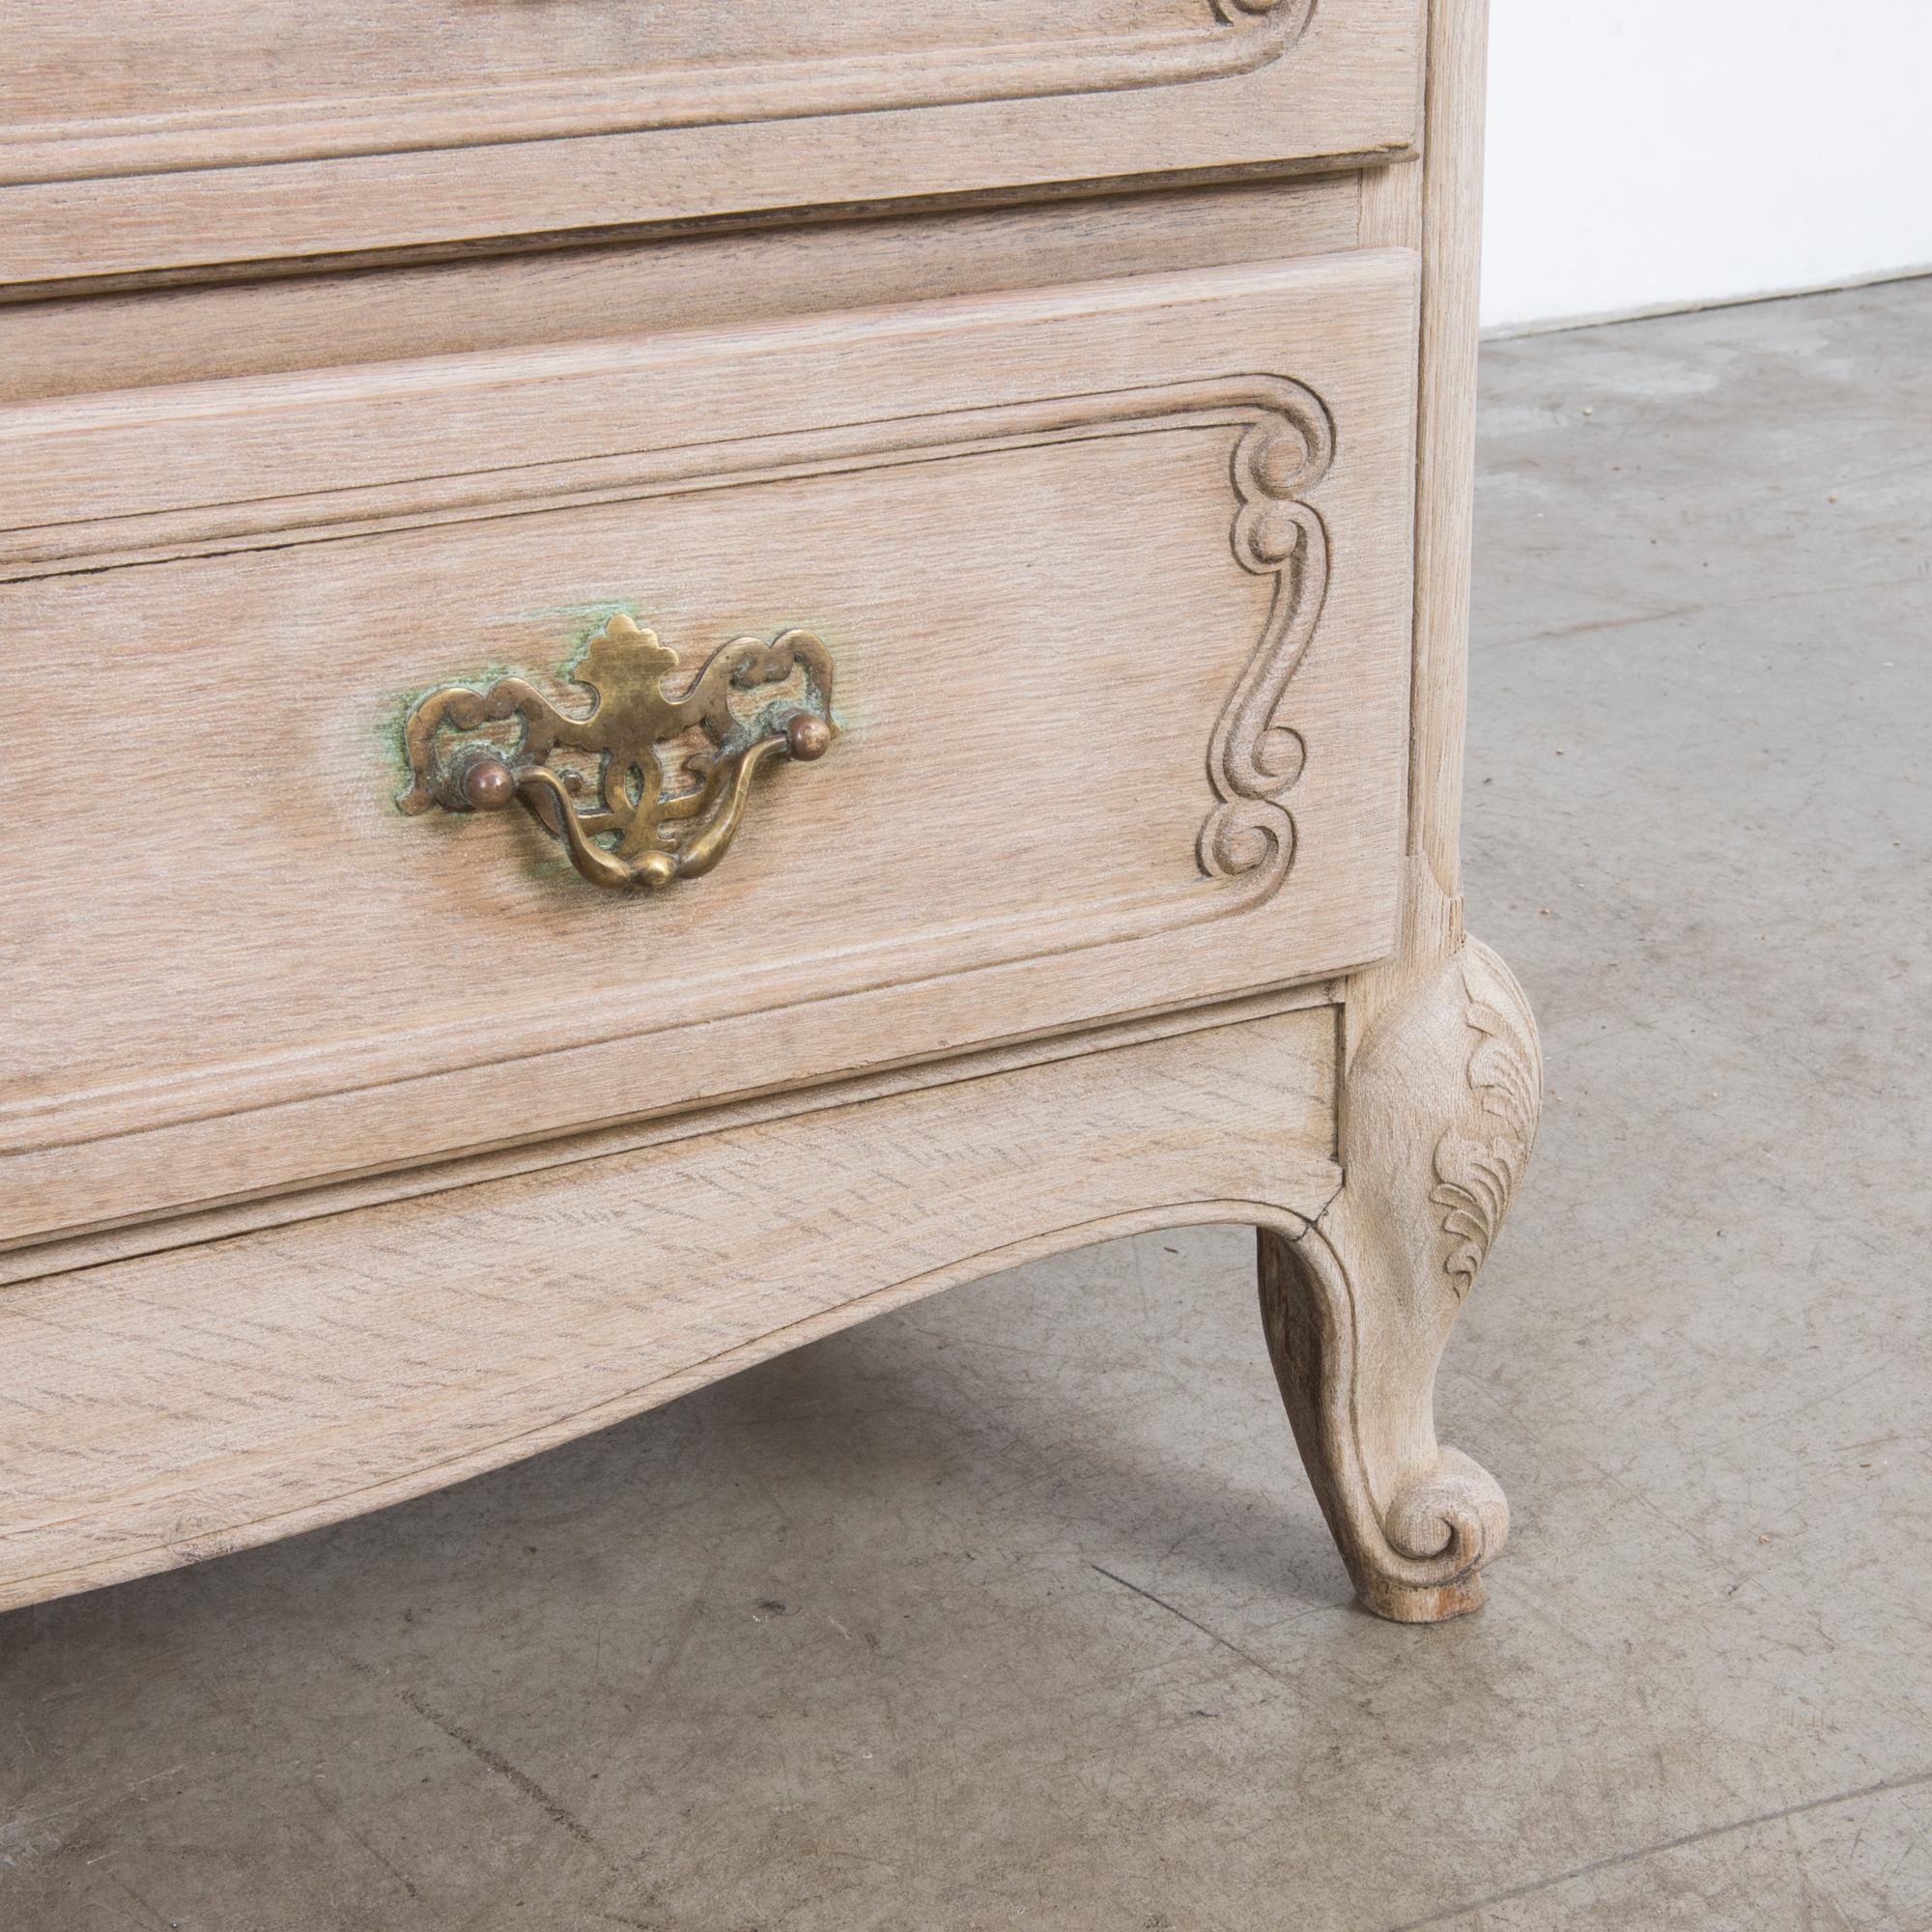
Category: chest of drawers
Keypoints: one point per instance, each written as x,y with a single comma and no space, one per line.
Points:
679,674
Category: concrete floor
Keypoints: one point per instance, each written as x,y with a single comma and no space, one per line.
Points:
1015,1609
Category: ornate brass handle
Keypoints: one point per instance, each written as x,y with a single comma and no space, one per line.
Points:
633,831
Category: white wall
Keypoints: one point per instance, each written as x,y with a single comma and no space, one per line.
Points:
1646,154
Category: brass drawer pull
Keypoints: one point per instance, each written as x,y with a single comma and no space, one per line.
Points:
635,833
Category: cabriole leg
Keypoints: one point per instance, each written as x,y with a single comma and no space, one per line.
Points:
1438,1112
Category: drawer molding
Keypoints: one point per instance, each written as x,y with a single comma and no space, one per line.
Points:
430,128
1247,839
1286,446
1232,37
1090,499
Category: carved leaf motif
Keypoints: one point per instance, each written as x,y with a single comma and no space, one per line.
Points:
1478,1173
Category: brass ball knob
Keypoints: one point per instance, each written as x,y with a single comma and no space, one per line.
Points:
489,785
808,735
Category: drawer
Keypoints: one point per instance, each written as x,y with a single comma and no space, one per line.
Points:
141,136
1114,582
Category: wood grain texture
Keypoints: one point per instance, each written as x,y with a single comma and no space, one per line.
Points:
1452,194
187,1229
169,1408
1441,1088
1087,729
72,346
1435,205
1439,1114
227,83
899,107
371,1153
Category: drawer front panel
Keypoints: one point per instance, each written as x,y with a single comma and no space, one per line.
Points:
1115,580
149,137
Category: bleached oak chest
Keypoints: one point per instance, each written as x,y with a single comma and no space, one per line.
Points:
678,672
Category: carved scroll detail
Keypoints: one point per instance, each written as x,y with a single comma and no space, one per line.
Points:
1478,1174
1253,759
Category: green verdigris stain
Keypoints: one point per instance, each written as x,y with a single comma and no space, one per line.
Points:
586,620
545,860
392,721
542,861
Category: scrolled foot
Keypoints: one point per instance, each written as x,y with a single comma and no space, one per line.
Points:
1439,1111
1459,1508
